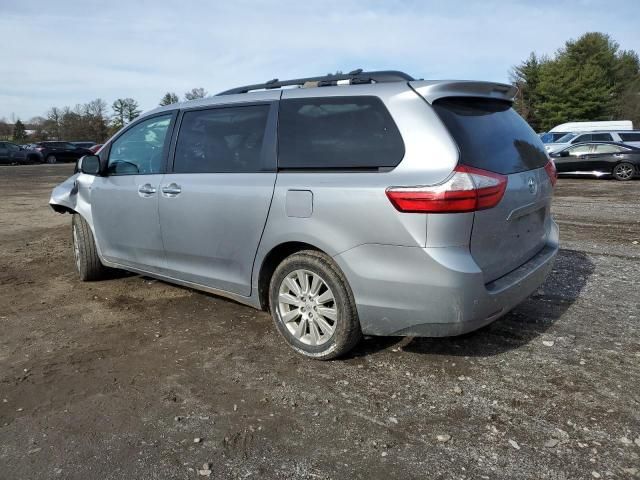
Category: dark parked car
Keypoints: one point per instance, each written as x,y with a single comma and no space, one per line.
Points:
599,158
10,153
84,144
54,152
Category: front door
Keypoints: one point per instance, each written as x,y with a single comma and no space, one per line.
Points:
215,202
124,202
4,153
574,159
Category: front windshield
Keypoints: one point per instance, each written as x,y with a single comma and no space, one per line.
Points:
566,138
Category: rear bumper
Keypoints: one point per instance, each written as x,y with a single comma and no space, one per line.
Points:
435,292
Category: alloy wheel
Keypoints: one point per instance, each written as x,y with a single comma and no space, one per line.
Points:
307,307
624,171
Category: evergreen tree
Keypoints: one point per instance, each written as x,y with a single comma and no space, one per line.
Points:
125,110
588,79
195,93
526,77
169,99
19,132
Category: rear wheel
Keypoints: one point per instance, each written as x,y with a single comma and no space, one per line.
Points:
313,307
51,159
85,254
624,171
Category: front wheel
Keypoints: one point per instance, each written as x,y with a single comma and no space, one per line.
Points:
313,307
85,254
51,159
623,171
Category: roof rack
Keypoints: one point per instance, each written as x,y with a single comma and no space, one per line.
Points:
354,77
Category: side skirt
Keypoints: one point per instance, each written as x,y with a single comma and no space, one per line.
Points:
251,301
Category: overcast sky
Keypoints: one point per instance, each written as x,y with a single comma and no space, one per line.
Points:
65,52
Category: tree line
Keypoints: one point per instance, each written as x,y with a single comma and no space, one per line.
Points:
588,79
90,121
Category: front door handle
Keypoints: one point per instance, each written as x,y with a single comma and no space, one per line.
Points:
172,190
147,189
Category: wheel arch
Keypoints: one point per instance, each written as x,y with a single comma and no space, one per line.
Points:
271,261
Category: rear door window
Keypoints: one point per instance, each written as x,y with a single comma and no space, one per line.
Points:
337,133
491,135
218,140
601,137
605,148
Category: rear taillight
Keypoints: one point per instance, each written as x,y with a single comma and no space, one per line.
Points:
550,168
467,190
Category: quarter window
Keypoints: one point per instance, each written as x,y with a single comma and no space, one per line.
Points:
630,137
221,140
337,133
582,138
139,150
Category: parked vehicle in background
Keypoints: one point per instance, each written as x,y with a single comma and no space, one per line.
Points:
10,153
366,203
599,158
628,137
86,145
96,147
596,126
551,137
53,152
559,131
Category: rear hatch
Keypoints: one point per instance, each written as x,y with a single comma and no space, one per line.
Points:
492,136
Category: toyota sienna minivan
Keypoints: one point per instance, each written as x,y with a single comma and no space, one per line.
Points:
368,203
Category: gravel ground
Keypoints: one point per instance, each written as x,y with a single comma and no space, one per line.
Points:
135,378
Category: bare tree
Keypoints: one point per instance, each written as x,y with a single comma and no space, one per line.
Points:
54,123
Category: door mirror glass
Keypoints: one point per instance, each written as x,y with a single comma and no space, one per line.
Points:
89,164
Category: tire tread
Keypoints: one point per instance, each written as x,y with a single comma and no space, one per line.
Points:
91,267
352,333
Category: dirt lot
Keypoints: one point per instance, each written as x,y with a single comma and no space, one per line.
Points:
115,379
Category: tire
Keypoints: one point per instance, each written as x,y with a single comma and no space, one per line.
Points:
51,159
85,254
623,171
320,319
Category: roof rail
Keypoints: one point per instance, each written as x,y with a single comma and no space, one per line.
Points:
352,78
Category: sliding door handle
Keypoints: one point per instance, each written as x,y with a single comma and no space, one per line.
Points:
171,190
146,189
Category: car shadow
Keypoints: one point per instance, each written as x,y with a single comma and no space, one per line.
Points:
523,324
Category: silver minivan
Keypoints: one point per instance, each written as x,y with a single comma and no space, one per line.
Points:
368,203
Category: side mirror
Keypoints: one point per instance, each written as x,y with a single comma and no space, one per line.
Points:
89,164
564,154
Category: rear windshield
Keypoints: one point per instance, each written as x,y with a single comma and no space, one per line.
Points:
491,135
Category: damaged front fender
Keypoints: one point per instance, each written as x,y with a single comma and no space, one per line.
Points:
72,196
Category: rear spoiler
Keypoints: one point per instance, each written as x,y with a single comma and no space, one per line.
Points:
432,90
